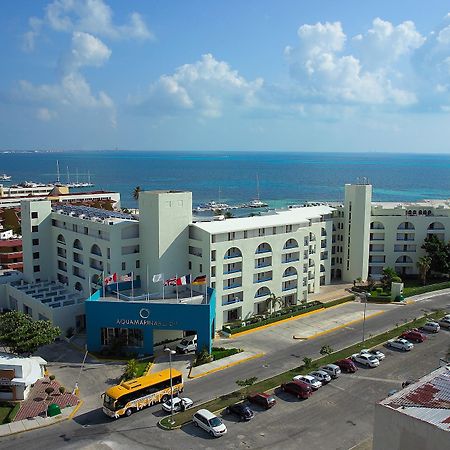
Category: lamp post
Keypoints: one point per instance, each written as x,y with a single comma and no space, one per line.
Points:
171,352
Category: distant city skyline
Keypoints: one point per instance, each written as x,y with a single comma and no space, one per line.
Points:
257,75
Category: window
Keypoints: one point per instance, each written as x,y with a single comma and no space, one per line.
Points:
288,228
34,215
36,268
190,265
35,255
54,222
34,229
86,230
138,264
75,227
35,242
245,234
231,236
213,271
124,266
261,232
213,255
201,268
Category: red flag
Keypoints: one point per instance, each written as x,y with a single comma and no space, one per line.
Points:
110,279
171,282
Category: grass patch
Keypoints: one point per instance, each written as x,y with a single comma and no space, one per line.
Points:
141,368
415,290
8,411
220,352
273,382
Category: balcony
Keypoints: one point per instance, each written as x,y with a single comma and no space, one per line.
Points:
230,271
226,302
289,288
232,286
262,265
96,265
263,250
290,260
233,255
263,279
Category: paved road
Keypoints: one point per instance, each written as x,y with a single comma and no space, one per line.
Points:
94,430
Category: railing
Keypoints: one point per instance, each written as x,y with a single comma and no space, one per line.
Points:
233,255
259,266
226,272
232,286
261,280
230,302
290,246
288,288
263,250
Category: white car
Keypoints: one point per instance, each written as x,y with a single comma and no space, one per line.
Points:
209,422
365,359
434,327
309,380
401,344
321,375
375,352
179,404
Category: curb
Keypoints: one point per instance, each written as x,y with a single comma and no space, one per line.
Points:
226,366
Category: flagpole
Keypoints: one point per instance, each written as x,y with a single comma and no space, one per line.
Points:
190,276
132,284
103,283
176,284
164,283
117,287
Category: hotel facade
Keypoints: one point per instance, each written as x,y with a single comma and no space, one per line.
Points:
289,253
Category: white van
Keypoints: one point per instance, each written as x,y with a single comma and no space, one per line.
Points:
331,369
210,422
188,344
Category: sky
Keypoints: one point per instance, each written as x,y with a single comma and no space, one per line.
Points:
225,75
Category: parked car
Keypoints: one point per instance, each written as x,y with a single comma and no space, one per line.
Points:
298,388
346,365
444,322
331,369
434,327
322,376
263,399
210,422
241,410
413,335
188,344
365,359
309,380
375,352
401,344
179,404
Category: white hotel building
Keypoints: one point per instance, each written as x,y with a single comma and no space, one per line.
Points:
289,253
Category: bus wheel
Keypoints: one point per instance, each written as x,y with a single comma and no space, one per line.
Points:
128,412
165,398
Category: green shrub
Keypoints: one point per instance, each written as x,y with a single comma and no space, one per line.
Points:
52,377
62,389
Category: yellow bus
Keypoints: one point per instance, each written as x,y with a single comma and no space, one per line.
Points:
133,395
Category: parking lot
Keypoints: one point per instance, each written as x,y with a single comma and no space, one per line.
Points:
337,416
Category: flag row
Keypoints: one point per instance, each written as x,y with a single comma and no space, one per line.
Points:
174,281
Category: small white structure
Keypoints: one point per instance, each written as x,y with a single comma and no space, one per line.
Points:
17,374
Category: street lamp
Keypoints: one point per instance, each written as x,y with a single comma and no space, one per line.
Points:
364,297
171,352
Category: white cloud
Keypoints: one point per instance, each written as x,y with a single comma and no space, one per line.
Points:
93,16
207,86
326,76
86,50
385,43
30,36
45,114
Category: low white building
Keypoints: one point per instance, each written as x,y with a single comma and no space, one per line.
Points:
17,374
417,417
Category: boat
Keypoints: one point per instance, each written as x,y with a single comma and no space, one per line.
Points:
4,177
257,203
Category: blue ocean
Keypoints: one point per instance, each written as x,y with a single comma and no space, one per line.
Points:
281,178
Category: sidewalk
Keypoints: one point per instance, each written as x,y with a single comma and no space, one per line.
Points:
224,363
37,422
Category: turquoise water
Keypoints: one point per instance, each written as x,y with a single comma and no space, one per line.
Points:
284,178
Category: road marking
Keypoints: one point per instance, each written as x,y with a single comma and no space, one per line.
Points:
385,380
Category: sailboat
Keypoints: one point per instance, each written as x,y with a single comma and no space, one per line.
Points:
257,203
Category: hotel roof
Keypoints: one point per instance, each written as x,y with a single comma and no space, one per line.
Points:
427,400
301,215
90,213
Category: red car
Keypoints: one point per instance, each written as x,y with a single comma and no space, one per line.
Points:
413,335
263,399
298,388
346,365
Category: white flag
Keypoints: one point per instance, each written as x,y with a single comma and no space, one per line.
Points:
157,277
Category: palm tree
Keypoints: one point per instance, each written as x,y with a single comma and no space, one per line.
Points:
136,192
272,301
424,264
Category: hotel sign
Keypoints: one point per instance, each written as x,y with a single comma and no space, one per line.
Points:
144,314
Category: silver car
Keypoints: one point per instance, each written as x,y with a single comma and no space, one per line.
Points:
434,327
445,322
321,375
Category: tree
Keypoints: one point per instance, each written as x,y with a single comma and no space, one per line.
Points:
273,301
130,370
23,335
307,362
326,350
136,192
389,276
228,215
246,384
439,252
424,264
